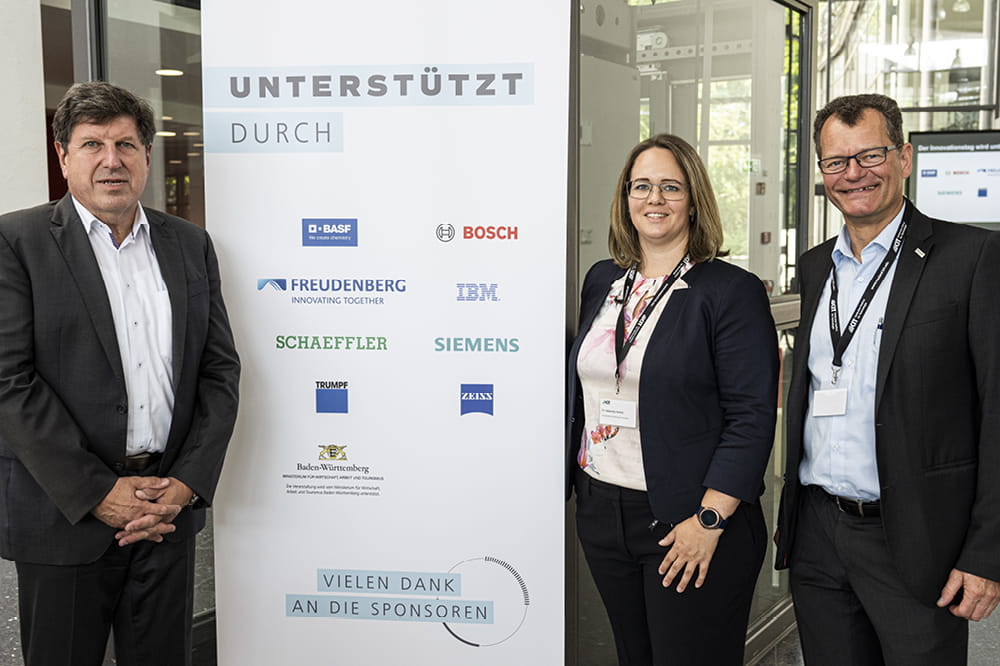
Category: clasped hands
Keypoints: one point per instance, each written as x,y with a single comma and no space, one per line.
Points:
143,507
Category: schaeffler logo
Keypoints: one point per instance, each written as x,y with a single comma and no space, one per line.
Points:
445,233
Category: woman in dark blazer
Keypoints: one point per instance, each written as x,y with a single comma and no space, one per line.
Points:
672,398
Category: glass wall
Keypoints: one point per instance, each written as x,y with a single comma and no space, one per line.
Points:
936,58
729,77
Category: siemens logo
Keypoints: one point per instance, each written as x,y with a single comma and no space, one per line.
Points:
335,232
477,344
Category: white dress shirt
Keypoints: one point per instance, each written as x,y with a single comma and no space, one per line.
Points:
140,306
840,450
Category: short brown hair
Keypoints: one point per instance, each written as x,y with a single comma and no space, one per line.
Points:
99,102
705,236
849,109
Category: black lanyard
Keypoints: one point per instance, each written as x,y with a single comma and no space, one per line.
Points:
622,346
841,341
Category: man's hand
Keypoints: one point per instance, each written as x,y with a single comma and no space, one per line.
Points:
979,595
137,518
169,493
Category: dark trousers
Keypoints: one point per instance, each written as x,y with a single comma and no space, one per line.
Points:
144,591
654,625
851,606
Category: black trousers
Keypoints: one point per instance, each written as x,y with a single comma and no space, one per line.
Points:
144,590
851,606
654,625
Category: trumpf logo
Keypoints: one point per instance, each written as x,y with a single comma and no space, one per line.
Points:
331,397
329,232
472,291
477,398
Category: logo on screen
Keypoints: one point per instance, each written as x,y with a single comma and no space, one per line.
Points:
489,233
928,173
329,232
331,397
477,398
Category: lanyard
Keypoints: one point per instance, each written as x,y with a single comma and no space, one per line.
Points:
841,341
623,345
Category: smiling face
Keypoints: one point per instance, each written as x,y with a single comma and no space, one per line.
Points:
867,197
659,223
106,166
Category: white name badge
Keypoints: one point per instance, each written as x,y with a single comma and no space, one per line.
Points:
618,412
830,402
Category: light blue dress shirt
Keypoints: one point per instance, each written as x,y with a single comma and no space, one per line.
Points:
839,451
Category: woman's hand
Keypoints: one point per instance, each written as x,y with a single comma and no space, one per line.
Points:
691,547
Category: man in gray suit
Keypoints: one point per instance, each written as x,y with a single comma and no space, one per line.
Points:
118,395
890,516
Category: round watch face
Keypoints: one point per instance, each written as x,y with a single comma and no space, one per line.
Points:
708,517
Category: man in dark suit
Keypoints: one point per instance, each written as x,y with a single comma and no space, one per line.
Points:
889,520
118,395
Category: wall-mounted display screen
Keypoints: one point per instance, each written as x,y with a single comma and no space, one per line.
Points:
956,175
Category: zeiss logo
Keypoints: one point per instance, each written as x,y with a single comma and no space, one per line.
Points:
278,284
477,398
471,291
331,397
928,173
334,232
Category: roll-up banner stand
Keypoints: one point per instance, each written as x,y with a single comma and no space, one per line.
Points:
386,189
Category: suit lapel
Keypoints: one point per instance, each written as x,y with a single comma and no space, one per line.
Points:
171,262
912,259
69,234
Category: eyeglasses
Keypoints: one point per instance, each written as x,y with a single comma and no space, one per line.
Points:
866,159
641,189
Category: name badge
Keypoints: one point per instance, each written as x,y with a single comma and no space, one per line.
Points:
618,412
829,402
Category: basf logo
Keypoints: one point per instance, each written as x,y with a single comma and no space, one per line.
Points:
329,232
928,173
476,398
476,291
331,397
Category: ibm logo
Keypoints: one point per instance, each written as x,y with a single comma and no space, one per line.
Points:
476,291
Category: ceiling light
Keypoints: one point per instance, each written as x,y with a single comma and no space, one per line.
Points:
169,72
166,133
961,6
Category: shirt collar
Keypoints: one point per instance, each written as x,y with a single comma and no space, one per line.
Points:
89,219
842,248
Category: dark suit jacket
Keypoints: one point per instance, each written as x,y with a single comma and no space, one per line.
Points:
63,406
937,404
707,387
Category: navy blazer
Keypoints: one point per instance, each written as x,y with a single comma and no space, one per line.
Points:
707,387
63,404
937,404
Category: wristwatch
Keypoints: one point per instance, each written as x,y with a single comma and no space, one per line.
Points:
194,500
711,519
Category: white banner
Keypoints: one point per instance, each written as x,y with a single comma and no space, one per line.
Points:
386,187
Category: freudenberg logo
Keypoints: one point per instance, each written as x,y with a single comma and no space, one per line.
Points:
329,232
476,398
278,284
477,291
331,397
335,291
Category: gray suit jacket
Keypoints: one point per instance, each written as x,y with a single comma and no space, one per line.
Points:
937,404
63,405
